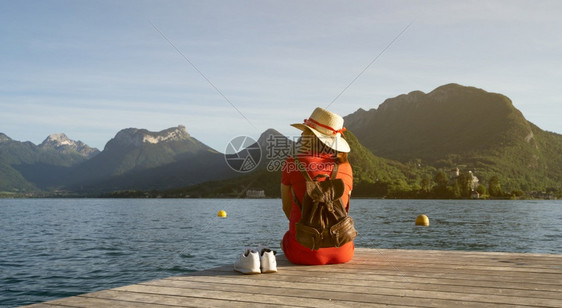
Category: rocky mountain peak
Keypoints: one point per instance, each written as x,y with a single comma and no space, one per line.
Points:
170,134
4,138
134,137
273,143
358,119
57,140
60,142
269,135
409,100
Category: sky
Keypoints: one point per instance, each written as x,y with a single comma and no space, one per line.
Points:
236,68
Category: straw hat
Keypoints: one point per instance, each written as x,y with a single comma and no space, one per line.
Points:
328,127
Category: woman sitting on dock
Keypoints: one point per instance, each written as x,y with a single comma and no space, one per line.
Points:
322,148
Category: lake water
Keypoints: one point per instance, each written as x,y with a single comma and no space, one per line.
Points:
52,248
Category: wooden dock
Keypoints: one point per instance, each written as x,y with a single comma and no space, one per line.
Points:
375,277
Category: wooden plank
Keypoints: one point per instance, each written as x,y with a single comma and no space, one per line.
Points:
390,278
294,296
482,254
47,305
93,302
433,269
333,285
282,281
522,261
181,300
375,277
402,274
248,295
454,257
466,272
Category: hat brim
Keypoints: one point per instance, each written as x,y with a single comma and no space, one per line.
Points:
333,142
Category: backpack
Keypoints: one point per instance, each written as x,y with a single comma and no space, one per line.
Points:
324,221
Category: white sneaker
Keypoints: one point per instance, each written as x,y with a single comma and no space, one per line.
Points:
248,262
268,261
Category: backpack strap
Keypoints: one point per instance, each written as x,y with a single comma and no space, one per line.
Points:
307,176
296,199
309,179
334,171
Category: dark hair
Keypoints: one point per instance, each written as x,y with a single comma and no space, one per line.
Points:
341,157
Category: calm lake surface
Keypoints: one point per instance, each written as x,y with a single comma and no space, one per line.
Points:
52,248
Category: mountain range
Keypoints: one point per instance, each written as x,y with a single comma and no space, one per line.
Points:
406,139
24,165
456,126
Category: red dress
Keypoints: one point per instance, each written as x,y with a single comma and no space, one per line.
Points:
294,251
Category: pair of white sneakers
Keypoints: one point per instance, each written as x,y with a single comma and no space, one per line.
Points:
256,261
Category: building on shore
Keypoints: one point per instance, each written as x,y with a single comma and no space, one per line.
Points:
255,193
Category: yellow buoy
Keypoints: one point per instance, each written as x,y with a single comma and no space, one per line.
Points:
221,213
422,220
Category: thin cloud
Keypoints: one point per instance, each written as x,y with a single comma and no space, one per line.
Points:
103,64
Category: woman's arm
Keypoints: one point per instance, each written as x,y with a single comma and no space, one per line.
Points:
286,199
